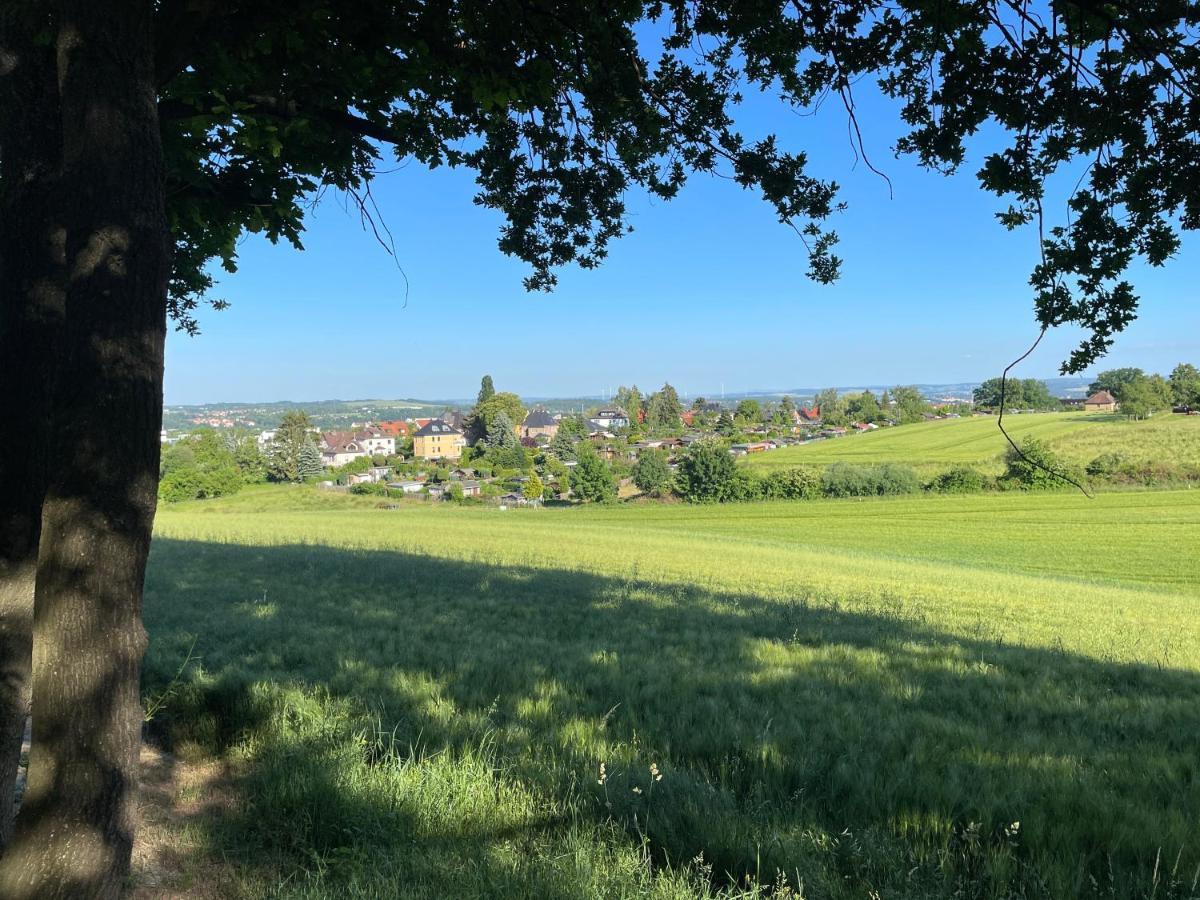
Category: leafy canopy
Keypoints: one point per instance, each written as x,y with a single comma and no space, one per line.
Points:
561,108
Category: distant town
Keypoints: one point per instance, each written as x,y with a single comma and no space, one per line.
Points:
502,447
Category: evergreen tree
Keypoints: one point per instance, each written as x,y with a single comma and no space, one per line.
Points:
663,409
290,438
562,445
501,435
309,462
486,390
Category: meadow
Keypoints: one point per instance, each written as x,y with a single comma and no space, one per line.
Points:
986,696
930,446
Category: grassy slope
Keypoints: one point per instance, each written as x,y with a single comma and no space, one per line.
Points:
1079,437
835,690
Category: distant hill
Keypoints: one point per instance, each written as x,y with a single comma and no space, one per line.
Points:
342,413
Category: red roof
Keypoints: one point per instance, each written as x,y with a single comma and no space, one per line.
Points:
397,428
1101,397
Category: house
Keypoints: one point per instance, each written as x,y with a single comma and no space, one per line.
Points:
438,440
807,415
471,488
341,447
1101,401
461,474
376,441
743,449
539,423
612,417
397,429
455,419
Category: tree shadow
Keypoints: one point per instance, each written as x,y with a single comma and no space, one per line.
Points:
857,743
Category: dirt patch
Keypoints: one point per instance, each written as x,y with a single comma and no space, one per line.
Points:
178,802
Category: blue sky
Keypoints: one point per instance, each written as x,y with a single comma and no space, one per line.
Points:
709,290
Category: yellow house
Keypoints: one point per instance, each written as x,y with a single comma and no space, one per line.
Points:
438,440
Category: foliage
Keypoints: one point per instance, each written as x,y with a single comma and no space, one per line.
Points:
749,410
832,407
1037,467
844,480
487,390
909,405
1115,380
791,484
591,478
663,409
291,437
200,466
1029,393
533,489
959,480
630,400
1185,385
863,407
705,473
501,435
513,457
651,473
1144,395
309,463
479,419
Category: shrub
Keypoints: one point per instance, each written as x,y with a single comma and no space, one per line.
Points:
959,480
651,473
845,480
745,486
705,473
591,479
792,484
1107,464
1037,468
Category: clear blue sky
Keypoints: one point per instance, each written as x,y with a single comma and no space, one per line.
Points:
708,290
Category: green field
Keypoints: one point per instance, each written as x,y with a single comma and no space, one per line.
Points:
841,697
1079,437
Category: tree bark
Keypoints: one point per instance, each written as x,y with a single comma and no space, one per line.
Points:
74,834
32,302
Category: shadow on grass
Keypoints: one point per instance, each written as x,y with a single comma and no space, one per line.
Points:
435,719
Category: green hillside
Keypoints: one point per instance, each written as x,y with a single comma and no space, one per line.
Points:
976,440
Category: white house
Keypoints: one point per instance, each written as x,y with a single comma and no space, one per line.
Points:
341,447
612,417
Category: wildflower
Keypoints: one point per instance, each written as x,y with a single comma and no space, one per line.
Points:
603,775
654,773
637,790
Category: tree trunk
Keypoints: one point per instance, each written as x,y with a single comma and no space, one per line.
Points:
32,298
74,834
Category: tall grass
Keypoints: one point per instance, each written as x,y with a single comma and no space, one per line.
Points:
968,697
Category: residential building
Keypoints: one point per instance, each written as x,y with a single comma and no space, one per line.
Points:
341,447
397,428
1101,401
539,423
612,417
438,440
